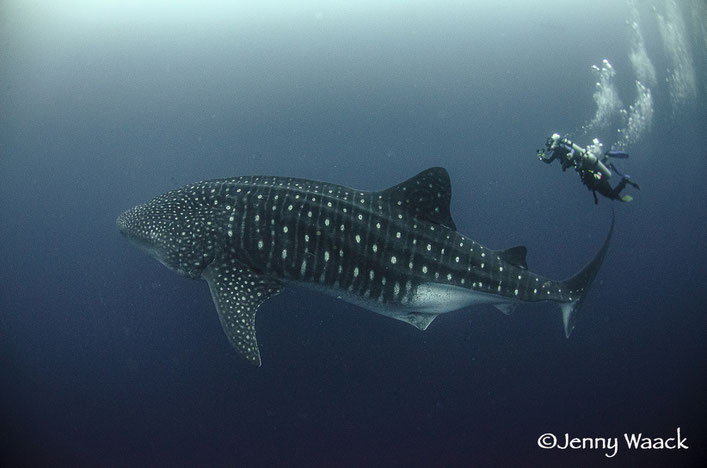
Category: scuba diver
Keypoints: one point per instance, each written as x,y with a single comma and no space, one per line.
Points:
593,172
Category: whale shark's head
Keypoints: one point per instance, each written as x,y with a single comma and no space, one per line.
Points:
171,231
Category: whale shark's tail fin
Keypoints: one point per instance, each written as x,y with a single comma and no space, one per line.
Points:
579,284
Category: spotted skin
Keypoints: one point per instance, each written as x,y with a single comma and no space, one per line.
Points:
236,289
395,252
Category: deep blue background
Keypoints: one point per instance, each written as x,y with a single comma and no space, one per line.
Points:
108,358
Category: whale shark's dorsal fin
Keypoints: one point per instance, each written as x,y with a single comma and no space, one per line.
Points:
427,196
515,256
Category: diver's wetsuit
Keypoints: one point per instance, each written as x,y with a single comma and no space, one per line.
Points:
601,185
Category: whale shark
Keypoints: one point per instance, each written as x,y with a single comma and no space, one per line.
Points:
395,252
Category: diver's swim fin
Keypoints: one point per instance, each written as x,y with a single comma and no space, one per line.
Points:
617,154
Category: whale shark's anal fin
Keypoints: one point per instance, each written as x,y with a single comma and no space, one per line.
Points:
417,319
238,292
506,307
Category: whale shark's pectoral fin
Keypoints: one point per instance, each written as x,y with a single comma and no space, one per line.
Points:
417,319
238,292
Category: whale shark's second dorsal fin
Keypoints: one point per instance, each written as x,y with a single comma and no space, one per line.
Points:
515,256
426,196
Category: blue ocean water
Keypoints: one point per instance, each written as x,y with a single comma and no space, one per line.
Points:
107,358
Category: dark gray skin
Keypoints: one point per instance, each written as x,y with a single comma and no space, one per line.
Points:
395,252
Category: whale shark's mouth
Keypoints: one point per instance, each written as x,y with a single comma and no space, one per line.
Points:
121,222
128,224
128,220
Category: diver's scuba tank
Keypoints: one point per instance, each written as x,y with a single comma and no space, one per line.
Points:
583,159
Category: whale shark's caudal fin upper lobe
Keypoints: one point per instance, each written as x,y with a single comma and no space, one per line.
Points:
580,283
